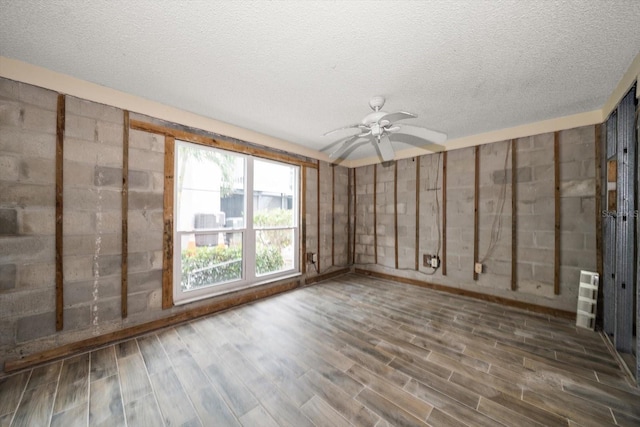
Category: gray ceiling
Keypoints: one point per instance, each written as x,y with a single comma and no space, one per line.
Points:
294,70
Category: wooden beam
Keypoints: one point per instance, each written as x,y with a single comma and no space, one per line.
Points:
355,213
167,246
514,216
476,205
327,276
232,300
318,216
395,209
349,188
556,183
224,145
477,295
444,213
333,215
375,213
60,127
125,215
303,220
417,258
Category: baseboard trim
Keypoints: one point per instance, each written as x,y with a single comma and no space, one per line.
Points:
133,331
326,276
485,297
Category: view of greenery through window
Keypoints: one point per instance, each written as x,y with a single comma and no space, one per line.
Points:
212,197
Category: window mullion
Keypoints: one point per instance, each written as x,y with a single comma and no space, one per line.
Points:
250,235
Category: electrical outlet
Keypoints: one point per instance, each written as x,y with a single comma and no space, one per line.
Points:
426,260
478,267
311,258
314,258
435,261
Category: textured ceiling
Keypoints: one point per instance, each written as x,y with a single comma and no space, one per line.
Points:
295,70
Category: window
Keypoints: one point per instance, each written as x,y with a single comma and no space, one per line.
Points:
236,221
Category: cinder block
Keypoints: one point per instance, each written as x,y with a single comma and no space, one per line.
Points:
109,133
29,143
88,199
76,318
79,128
8,222
78,222
110,244
36,275
106,309
91,153
107,265
148,280
32,195
145,200
7,277
84,292
158,181
146,141
38,221
9,168
93,110
23,249
40,120
138,261
78,268
140,242
108,221
37,170
36,326
34,95
11,113
578,188
7,333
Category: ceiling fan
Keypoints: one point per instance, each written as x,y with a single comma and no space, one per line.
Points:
379,128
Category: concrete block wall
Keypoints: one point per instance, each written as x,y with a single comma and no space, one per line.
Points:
27,214
385,214
431,224
92,218
341,216
535,218
364,226
406,208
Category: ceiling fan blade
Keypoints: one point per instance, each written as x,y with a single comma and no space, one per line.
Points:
385,149
416,142
352,148
357,126
424,133
342,149
394,117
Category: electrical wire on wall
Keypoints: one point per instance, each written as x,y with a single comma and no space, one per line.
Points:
496,226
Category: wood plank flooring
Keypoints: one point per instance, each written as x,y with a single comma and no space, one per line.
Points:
350,351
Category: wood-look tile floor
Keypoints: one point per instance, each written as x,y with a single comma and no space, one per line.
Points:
350,351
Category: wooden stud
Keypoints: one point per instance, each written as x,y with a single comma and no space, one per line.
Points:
395,209
375,213
444,213
417,258
556,183
612,170
303,220
514,217
333,216
224,145
60,127
318,216
125,214
349,189
476,205
167,246
355,213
